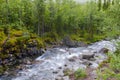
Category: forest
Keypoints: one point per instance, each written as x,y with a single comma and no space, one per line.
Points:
25,24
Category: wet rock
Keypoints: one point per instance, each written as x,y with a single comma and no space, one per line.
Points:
104,50
92,59
86,62
65,65
59,67
42,50
6,73
67,41
57,78
94,65
66,78
72,59
88,56
26,61
55,72
33,51
80,57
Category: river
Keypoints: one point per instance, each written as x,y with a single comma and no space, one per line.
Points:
51,65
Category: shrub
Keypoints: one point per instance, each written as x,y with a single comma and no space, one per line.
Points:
80,74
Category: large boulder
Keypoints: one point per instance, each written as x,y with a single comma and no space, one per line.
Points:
104,50
67,41
88,56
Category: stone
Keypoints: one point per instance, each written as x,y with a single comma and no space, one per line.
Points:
94,65
104,50
55,72
43,50
88,56
59,67
66,78
86,62
72,59
67,41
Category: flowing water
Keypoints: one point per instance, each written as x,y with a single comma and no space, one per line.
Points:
51,65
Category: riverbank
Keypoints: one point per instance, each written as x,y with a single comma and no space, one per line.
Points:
61,60
21,47
16,46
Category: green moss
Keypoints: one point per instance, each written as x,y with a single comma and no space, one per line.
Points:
33,36
4,55
22,40
1,70
16,33
76,37
40,43
11,42
2,38
98,38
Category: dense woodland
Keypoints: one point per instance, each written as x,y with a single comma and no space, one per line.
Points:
61,17
48,21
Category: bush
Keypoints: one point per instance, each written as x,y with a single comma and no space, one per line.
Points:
16,33
80,74
112,71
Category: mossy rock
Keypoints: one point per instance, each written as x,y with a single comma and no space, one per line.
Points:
33,36
16,33
11,42
22,40
38,42
2,36
1,70
32,42
3,55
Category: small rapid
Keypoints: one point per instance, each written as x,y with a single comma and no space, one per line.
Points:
52,64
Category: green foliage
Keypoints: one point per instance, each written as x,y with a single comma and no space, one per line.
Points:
2,35
1,69
112,71
67,72
80,74
115,62
89,20
11,42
